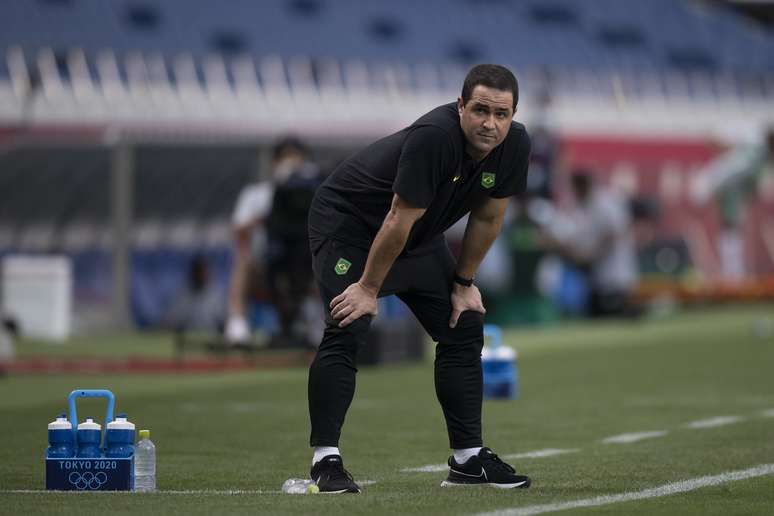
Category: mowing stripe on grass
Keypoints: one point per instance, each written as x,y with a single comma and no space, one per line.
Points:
539,454
682,486
536,454
227,492
768,412
633,437
714,422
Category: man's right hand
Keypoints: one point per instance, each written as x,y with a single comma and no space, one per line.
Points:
464,299
355,302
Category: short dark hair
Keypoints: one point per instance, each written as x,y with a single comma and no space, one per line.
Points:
491,76
581,180
286,145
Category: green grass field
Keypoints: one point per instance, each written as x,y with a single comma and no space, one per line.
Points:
580,383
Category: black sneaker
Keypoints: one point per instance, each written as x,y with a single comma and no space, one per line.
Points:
331,477
486,468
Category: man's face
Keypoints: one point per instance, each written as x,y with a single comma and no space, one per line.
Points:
485,119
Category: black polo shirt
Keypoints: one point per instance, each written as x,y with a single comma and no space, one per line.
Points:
427,166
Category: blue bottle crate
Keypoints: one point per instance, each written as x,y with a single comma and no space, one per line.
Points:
90,474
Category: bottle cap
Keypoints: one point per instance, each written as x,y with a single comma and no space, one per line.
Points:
144,434
61,423
120,423
89,424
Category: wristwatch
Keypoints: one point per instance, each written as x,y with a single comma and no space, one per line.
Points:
465,282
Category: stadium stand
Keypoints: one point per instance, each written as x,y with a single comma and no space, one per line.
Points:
192,55
599,33
196,89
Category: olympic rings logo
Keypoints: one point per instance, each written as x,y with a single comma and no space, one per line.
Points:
87,480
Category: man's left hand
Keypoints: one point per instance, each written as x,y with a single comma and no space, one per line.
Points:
464,299
355,302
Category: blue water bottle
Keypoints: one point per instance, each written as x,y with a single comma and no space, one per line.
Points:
499,366
60,439
89,437
119,437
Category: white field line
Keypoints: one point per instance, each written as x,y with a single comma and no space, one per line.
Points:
714,422
768,412
539,454
682,486
633,437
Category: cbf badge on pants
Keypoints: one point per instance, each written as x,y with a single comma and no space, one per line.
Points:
342,266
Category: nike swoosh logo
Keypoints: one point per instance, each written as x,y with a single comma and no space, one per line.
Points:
480,475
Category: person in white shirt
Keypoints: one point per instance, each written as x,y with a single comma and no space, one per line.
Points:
732,180
597,237
271,248
250,212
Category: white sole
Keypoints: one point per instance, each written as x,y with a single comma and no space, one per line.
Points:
446,483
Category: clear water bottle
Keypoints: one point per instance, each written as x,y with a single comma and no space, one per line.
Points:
145,464
299,486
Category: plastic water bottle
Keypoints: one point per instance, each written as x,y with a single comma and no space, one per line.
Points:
60,439
300,486
89,438
119,438
499,366
145,463
501,373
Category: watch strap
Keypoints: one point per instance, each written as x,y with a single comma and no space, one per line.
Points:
465,282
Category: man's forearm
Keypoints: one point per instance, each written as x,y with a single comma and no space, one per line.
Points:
388,244
479,236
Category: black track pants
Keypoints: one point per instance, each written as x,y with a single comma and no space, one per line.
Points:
424,283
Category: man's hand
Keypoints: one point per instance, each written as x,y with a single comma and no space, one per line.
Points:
464,299
355,302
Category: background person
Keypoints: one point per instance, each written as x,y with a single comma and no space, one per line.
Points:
271,245
732,180
597,237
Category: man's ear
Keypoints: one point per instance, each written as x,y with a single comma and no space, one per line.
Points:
460,105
